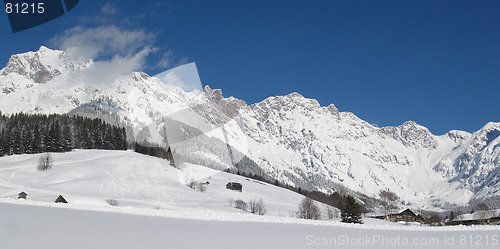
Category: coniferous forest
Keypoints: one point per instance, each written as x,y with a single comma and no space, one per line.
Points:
35,133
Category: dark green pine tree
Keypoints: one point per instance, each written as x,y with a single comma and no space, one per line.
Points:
351,213
123,139
66,140
85,142
2,143
115,136
23,133
55,139
108,140
28,140
36,143
16,146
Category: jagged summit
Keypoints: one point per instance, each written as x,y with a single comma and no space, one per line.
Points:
42,65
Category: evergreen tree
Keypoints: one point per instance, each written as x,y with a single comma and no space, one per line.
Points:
36,143
28,141
15,137
2,143
23,133
53,138
66,140
351,213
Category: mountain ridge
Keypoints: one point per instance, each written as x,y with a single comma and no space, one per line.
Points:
290,138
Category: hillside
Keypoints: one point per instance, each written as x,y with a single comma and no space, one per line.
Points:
91,177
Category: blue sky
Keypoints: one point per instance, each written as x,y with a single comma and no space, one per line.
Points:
434,62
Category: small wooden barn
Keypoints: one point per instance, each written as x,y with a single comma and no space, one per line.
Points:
489,221
61,199
234,186
22,195
406,215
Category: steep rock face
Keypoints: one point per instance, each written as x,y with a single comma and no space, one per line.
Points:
476,165
229,106
297,140
41,66
290,138
411,135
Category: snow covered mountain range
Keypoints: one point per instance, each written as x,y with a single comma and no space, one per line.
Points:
289,138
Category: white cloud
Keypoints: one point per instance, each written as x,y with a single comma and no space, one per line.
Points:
115,51
101,41
109,8
105,72
167,59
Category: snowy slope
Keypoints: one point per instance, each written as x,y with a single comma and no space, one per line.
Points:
289,138
90,177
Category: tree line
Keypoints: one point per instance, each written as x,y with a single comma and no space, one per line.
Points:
36,133
155,150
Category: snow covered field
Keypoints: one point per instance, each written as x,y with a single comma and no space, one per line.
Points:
31,226
157,210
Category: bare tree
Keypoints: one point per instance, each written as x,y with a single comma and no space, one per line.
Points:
199,186
240,204
308,210
435,219
202,187
192,184
45,162
389,199
331,212
257,207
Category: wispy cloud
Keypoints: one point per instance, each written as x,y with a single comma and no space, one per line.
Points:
169,60
115,51
103,41
109,8
166,60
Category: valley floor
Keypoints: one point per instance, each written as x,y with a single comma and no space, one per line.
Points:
58,226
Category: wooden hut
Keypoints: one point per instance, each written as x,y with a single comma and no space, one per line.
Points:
406,215
22,195
234,186
61,199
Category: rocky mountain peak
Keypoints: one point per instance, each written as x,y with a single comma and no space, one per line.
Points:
213,94
229,106
412,135
41,66
333,110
